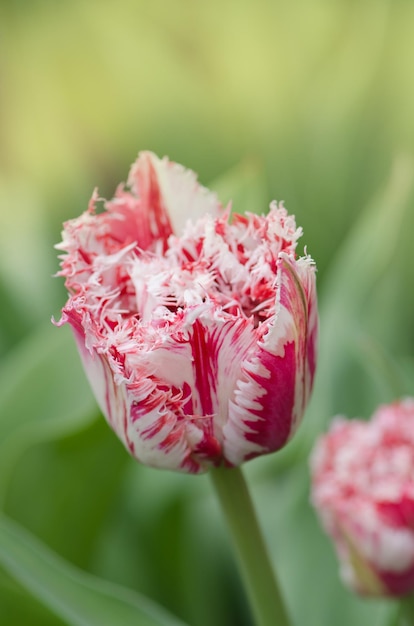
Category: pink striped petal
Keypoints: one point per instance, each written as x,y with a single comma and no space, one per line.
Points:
276,381
163,196
200,361
170,194
400,513
144,413
110,396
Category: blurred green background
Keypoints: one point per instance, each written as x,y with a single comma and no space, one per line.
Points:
310,102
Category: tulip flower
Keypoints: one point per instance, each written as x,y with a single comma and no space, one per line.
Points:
363,490
196,327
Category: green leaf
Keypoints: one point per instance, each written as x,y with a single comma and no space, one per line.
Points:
342,384
78,598
244,186
166,539
65,490
43,394
305,559
27,261
13,321
18,607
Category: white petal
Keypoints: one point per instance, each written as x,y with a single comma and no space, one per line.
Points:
182,196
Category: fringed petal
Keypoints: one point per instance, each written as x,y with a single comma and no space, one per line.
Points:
273,390
170,194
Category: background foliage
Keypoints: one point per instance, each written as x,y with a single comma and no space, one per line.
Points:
310,102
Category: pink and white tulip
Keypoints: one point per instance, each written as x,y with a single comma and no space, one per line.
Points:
196,328
363,490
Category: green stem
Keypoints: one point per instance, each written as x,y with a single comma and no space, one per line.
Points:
406,612
257,572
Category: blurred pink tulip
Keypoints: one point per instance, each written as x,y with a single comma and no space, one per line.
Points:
197,329
363,490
